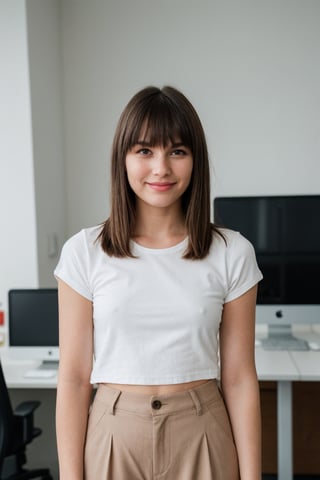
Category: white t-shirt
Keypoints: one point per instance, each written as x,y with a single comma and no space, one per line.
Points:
156,317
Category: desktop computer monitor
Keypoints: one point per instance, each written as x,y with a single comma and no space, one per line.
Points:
33,324
285,232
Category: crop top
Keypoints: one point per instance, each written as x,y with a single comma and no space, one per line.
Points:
156,317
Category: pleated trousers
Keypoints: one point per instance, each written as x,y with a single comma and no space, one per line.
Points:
183,436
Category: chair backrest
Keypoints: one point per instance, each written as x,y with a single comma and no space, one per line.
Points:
6,416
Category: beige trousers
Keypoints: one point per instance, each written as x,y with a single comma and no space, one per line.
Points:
184,436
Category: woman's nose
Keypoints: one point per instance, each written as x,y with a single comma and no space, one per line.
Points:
161,165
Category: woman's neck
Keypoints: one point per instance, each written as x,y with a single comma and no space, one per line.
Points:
157,228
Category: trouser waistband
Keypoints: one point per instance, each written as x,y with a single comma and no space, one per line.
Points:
152,405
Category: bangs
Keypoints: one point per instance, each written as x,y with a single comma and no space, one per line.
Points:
158,123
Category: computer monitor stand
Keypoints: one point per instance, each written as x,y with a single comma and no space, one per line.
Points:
280,331
280,337
49,365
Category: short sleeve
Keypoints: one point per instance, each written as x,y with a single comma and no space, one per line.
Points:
242,268
73,265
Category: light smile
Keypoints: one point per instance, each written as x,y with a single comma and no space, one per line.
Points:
161,186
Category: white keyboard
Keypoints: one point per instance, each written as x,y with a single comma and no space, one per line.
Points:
282,343
40,373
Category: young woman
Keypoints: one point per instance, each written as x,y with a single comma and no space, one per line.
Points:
155,306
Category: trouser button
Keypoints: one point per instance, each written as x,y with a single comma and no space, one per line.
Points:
156,404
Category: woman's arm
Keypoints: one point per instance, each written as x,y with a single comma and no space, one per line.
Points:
239,381
74,389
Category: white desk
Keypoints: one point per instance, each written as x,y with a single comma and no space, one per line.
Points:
308,365
275,366
284,367
14,371
280,366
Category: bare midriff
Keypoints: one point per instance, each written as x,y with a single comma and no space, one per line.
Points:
157,389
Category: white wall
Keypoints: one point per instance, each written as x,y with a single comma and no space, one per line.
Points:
18,242
31,144
31,147
44,47
251,69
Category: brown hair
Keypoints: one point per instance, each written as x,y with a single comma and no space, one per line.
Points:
163,116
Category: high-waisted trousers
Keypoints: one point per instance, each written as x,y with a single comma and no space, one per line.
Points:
183,436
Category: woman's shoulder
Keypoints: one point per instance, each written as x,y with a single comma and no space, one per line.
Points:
226,235
86,238
230,240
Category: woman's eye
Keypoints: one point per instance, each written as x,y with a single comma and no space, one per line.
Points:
178,152
144,151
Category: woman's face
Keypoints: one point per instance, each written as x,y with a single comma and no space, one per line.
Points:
159,175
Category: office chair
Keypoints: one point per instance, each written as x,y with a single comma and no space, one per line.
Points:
16,431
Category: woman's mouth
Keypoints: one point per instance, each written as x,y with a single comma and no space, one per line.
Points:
161,186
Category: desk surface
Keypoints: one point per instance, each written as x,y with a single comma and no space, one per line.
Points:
14,372
275,365
308,365
271,366
289,365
